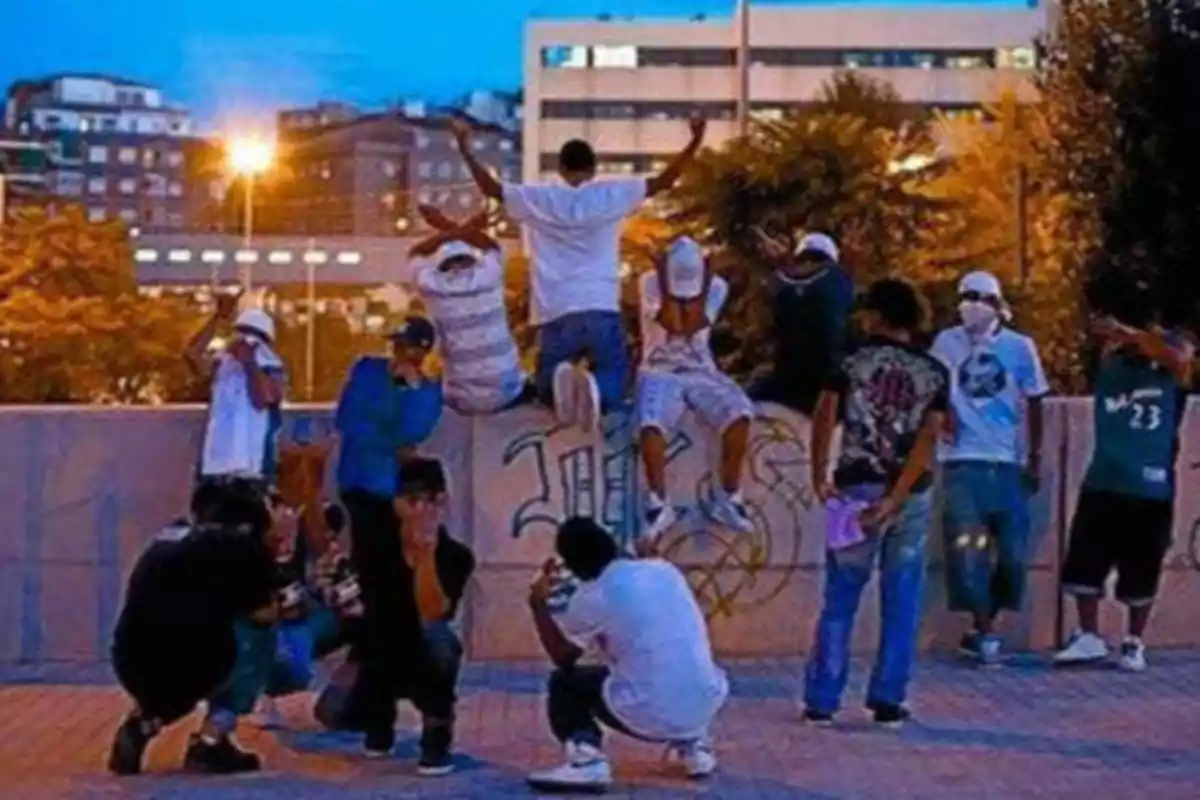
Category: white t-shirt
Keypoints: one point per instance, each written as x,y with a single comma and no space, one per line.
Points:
664,352
991,378
643,618
574,237
237,435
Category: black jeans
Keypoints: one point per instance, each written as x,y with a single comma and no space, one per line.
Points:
396,657
576,705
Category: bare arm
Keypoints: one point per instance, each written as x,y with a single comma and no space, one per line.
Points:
1153,344
824,422
919,458
482,176
196,350
560,650
674,170
432,602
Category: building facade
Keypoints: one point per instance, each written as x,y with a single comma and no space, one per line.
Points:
627,85
115,146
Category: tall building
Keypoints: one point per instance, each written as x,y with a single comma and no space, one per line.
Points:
627,84
365,176
24,165
115,146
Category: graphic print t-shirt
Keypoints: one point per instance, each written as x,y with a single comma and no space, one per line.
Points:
886,389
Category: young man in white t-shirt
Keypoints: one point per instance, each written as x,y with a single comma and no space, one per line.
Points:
991,460
680,302
574,229
460,276
659,682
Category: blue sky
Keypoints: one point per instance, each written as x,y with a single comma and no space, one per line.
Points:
232,59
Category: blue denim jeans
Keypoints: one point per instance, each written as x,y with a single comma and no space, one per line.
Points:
297,651
598,336
986,526
900,552
255,659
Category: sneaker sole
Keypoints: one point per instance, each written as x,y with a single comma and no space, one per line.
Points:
566,406
587,401
892,726
435,772
1079,662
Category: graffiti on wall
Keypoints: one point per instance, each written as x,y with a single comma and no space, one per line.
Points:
729,570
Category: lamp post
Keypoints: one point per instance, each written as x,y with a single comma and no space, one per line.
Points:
743,66
249,158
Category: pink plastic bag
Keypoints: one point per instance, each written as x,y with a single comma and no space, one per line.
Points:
842,528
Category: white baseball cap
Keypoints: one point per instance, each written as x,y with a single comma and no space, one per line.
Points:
819,243
257,320
455,249
685,268
988,285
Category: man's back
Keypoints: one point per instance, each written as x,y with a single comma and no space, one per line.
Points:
574,235
643,617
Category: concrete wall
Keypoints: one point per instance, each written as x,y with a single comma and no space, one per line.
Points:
82,490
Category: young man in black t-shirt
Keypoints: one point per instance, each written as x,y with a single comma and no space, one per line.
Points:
408,648
892,397
174,643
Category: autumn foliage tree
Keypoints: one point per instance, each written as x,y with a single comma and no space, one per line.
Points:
73,327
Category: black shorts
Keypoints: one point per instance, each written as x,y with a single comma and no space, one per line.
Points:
1115,531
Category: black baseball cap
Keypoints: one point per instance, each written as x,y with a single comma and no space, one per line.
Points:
421,476
414,330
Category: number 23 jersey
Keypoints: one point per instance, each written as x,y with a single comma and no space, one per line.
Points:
1138,411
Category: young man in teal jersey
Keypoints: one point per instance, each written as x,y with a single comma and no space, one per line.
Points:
1124,515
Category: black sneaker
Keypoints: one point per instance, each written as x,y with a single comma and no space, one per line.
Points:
379,744
128,747
222,757
891,716
436,758
818,719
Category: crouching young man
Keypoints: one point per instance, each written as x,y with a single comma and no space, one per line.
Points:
175,643
680,302
659,682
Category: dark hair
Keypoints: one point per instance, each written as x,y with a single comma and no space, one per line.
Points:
1116,293
421,475
236,504
585,547
577,156
897,302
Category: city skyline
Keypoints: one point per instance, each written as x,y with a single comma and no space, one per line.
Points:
235,64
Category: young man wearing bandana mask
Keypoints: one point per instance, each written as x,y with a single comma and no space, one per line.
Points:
1125,512
680,302
991,460
813,298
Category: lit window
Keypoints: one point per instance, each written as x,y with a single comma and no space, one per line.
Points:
97,214
129,215
316,257
212,257
506,145
565,57
422,141
389,169
966,62
175,158
97,154
128,186
144,256
246,257
349,257
175,189
425,169
97,185
127,155
280,257
618,57
179,256
1016,58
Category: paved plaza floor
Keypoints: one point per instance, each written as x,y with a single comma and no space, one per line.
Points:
1019,731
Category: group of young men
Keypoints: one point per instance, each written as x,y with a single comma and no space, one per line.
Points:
234,569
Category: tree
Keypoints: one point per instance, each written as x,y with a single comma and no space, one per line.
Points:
73,327
1119,84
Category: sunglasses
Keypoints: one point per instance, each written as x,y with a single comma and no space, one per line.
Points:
980,297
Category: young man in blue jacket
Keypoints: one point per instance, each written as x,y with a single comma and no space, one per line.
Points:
387,408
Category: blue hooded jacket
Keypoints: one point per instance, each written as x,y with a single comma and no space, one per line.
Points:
376,416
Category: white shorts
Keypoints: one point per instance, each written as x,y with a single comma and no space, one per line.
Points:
714,397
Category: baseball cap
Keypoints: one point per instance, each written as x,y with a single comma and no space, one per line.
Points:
454,249
258,321
421,476
685,268
984,283
415,331
818,243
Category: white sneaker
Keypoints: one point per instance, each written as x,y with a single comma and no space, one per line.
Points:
587,769
1133,655
566,404
657,519
697,758
1084,648
587,400
730,510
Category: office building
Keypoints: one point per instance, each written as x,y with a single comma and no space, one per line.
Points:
115,146
24,165
627,85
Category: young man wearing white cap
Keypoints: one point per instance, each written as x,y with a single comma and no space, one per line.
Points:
680,302
813,297
247,386
991,460
461,279
575,228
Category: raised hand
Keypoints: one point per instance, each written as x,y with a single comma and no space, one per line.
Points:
461,132
227,305
698,125
434,217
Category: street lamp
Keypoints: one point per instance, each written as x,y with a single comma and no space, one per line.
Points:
249,158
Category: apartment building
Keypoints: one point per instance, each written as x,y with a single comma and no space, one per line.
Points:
115,146
627,84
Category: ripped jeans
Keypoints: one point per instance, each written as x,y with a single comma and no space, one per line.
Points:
900,552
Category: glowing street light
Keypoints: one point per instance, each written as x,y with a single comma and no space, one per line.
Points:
248,158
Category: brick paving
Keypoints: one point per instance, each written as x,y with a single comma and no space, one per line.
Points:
1021,731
